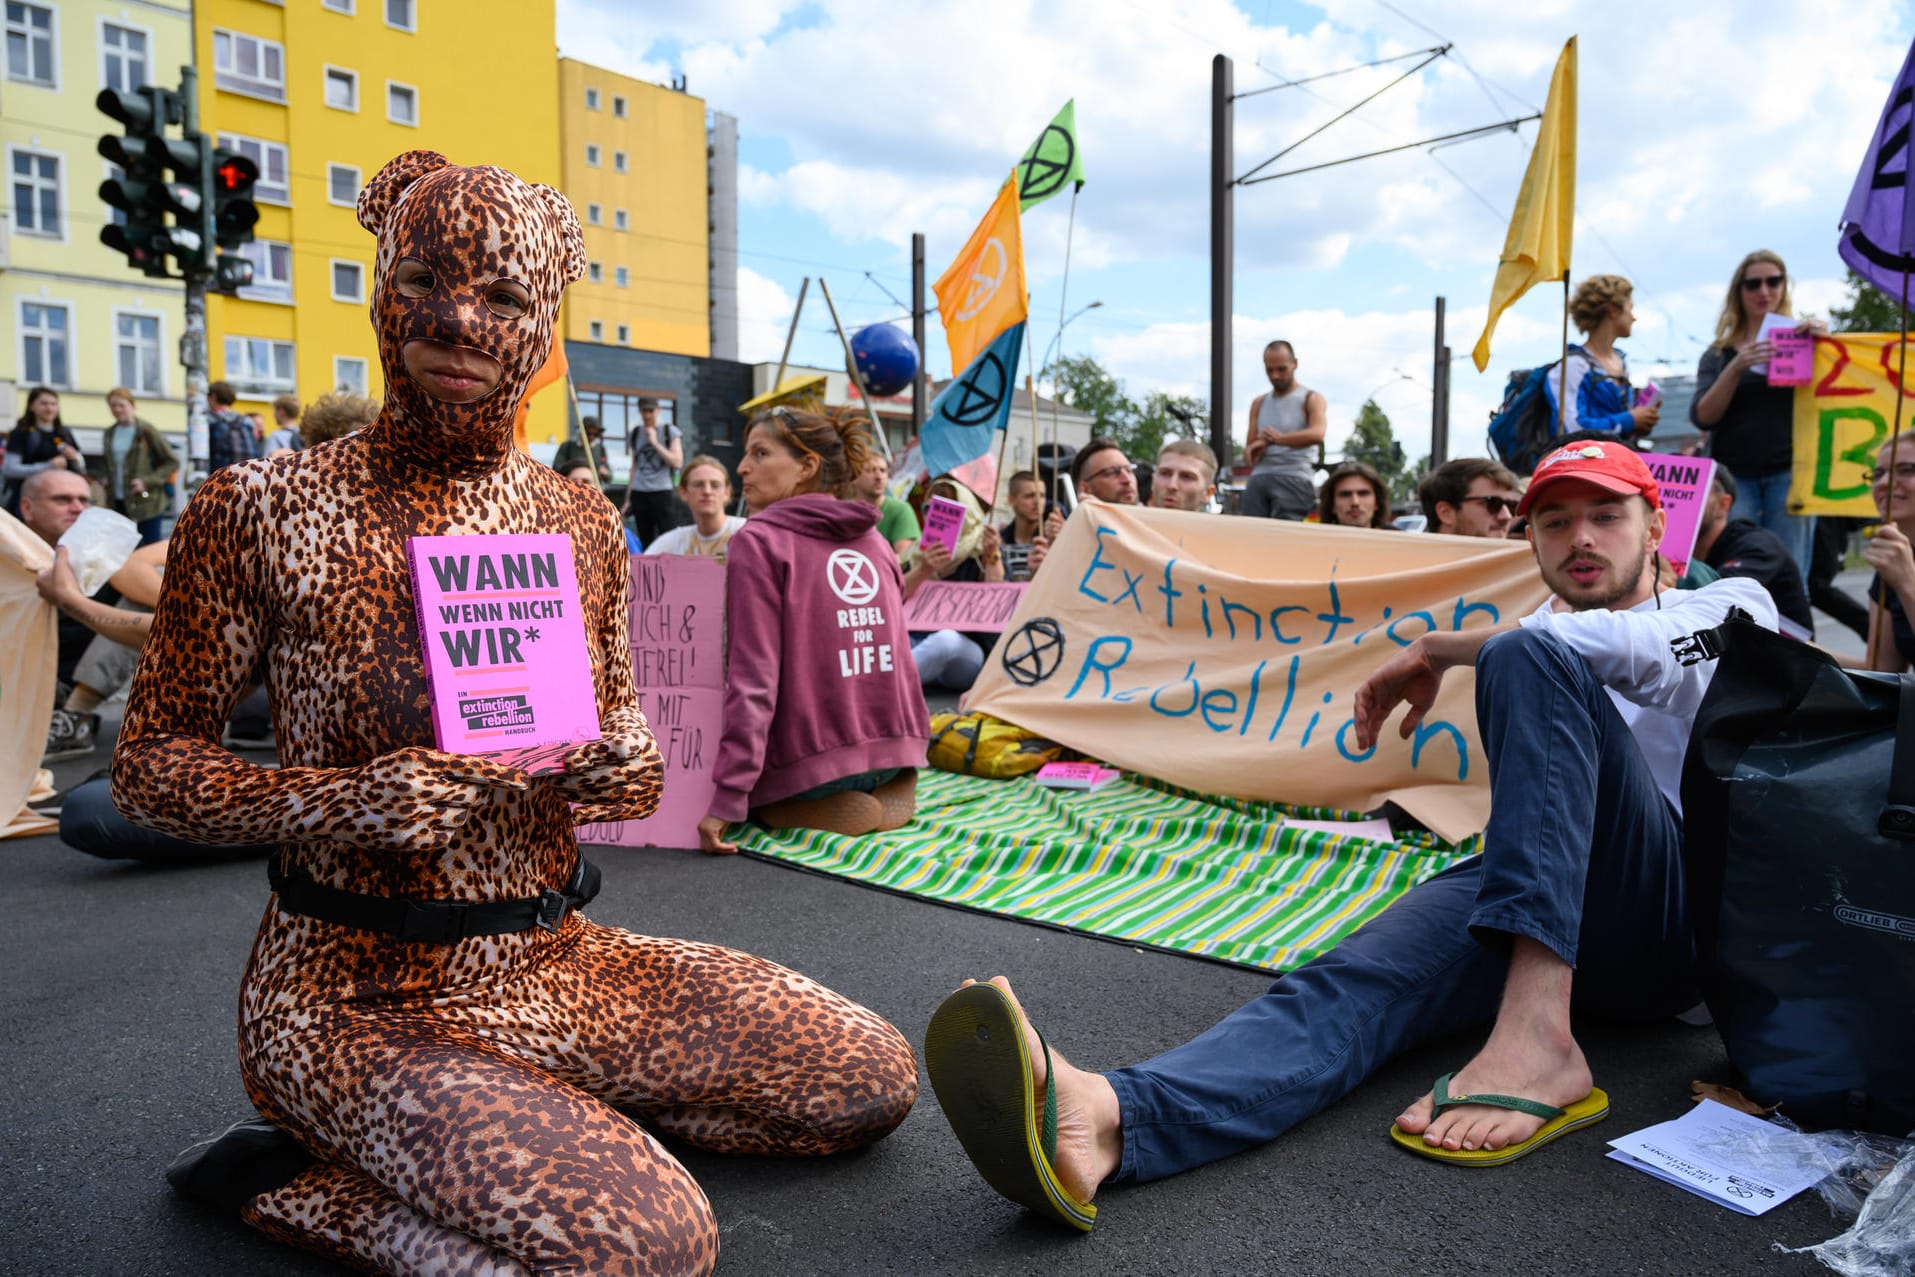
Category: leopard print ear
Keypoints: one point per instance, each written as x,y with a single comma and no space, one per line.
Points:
383,191
571,240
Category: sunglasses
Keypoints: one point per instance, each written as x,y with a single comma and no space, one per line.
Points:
1108,472
1754,282
1496,505
1904,471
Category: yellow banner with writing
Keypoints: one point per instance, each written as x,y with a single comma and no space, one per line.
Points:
1844,416
1224,655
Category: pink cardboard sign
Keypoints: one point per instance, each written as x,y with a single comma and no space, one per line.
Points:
1793,363
981,607
943,523
504,646
1685,483
678,662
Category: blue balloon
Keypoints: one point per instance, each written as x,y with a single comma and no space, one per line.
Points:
887,358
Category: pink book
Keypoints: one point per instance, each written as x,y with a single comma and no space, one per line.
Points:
1076,775
504,647
1793,363
943,523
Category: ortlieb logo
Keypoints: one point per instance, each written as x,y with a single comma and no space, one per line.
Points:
1894,924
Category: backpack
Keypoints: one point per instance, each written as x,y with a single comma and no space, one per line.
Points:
980,745
1521,428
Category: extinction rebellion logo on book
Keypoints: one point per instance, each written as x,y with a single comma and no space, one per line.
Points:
495,713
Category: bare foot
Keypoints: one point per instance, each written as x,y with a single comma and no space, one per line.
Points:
1090,1133
1545,1066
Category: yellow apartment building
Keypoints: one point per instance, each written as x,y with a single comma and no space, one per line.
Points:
321,93
73,314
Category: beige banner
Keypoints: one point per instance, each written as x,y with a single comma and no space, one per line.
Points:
27,669
1224,654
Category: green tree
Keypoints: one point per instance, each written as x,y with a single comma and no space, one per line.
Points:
1083,383
1374,443
1867,309
1156,422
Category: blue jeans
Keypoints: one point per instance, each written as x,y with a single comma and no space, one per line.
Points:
1582,853
1765,500
946,659
90,822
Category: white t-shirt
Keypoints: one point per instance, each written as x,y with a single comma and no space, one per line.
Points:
686,540
1654,674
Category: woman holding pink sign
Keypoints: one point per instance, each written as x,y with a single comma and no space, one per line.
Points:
959,544
1751,422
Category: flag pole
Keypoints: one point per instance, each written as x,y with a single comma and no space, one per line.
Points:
1063,291
791,333
1562,365
1030,395
1880,610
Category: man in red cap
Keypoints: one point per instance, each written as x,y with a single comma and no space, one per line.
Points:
1584,710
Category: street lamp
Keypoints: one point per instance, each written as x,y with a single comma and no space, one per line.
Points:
1045,362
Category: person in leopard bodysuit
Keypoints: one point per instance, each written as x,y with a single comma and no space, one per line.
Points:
463,1100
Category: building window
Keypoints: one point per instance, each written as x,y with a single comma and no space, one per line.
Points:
249,65
337,6
617,413
618,106
342,185
137,347
618,161
591,98
597,330
349,374
619,220
259,367
273,186
622,277
36,193
122,57
348,281
402,104
342,89
591,154
624,335
43,344
30,43
594,215
594,273
272,271
399,13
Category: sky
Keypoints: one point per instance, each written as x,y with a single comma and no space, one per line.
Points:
1706,130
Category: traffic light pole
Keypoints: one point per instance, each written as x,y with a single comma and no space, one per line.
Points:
193,337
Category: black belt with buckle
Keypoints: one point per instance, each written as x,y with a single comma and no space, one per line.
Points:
430,921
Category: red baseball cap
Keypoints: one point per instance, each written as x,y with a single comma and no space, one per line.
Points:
1613,467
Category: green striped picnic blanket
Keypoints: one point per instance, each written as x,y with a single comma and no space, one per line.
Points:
1137,861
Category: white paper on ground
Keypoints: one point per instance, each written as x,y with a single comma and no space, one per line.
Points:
1735,1160
1374,830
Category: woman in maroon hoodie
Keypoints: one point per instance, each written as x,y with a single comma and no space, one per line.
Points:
825,724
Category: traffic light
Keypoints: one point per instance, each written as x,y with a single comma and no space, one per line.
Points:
183,196
144,113
234,213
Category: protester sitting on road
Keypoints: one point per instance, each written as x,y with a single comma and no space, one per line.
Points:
467,1059
136,460
1579,888
1286,432
1594,377
1470,497
1891,594
38,442
825,724
950,659
1751,424
897,521
1737,547
1100,469
1034,526
1354,496
336,415
1186,476
704,485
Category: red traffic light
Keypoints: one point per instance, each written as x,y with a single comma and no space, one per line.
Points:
236,173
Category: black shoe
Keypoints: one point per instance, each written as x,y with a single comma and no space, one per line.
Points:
70,735
251,1157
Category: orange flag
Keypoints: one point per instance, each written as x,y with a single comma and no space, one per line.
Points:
553,369
983,292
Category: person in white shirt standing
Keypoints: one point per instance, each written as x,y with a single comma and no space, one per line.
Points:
1584,709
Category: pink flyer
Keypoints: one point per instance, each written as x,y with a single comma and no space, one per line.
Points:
1685,484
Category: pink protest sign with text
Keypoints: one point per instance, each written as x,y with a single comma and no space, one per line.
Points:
1685,484
979,607
943,523
504,646
678,662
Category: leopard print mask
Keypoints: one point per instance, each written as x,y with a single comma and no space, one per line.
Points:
471,227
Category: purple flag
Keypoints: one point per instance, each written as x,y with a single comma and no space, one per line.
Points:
1878,225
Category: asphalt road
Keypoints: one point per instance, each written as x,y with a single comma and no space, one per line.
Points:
118,1023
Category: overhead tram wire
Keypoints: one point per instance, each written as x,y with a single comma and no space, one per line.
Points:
1311,79
1247,178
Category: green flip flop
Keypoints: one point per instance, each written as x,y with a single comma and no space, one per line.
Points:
974,1050
1593,1107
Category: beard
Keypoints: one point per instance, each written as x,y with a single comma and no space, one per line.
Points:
1606,590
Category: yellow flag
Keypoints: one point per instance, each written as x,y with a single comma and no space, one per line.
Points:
1537,250
982,293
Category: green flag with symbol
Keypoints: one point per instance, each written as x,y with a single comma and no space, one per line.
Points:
1053,161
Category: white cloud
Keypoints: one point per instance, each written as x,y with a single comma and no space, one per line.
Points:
764,316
